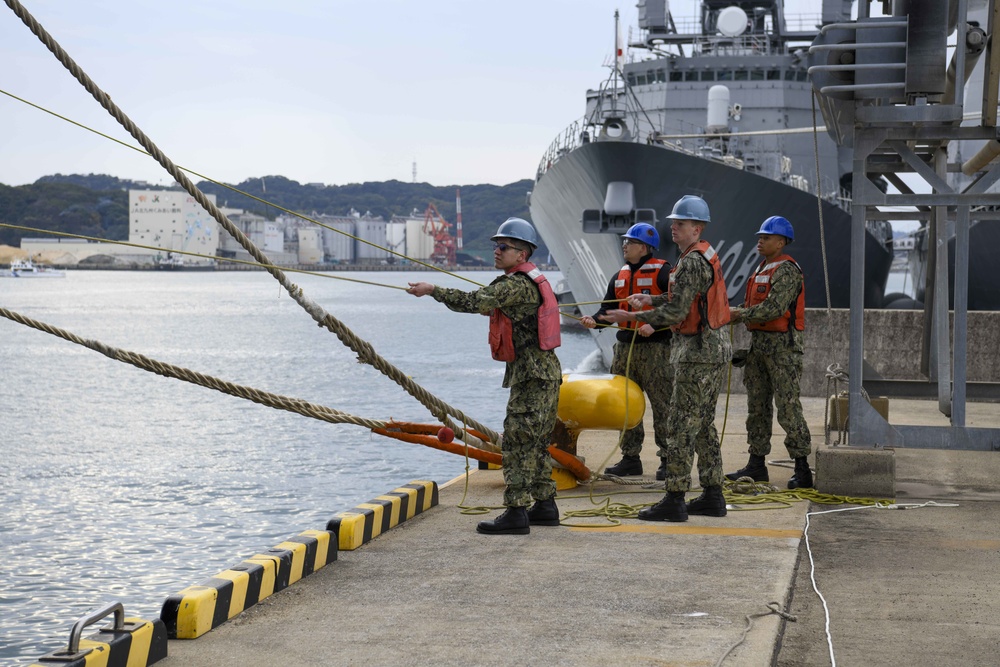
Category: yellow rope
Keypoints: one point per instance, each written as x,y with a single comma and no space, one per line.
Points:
745,495
613,512
587,303
729,390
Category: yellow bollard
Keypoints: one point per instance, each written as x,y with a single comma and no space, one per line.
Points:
600,402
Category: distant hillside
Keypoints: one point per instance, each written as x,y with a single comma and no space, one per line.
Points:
97,205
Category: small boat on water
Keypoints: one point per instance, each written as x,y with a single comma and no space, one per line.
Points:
171,262
25,268
174,262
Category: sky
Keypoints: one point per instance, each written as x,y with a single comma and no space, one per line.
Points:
325,91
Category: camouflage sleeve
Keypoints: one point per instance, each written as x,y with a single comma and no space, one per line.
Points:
504,292
693,276
609,303
785,286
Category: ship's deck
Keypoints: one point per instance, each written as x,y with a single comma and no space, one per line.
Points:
903,588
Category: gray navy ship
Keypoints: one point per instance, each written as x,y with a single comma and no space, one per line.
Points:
718,106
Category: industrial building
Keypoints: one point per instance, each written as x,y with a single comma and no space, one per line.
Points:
174,231
163,220
361,238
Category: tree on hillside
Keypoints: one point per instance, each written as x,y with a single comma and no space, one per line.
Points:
97,205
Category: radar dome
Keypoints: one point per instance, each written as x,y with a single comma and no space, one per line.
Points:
732,21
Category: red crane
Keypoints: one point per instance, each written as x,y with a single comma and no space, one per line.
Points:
444,242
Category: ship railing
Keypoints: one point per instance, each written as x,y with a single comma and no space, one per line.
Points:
802,22
758,45
587,129
568,140
838,195
794,22
746,155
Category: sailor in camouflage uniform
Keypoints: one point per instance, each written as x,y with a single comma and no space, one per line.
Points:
524,330
641,350
774,310
696,307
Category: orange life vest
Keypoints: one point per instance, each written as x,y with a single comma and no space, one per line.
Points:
759,286
643,281
502,328
712,307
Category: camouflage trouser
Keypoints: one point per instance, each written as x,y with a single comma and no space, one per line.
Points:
649,368
765,381
691,426
531,416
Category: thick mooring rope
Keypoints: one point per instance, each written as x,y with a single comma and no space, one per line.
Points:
268,399
366,353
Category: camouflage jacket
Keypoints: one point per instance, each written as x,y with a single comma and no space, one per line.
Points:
518,297
692,276
782,346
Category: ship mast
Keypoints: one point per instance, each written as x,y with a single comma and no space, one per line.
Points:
617,64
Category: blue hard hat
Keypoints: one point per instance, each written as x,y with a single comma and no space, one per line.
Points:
516,228
645,232
691,207
778,225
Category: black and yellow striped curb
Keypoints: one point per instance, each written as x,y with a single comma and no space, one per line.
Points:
141,643
197,609
369,520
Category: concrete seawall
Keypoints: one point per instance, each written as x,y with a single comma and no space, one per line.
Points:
892,346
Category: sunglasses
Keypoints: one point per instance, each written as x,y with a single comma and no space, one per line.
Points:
504,247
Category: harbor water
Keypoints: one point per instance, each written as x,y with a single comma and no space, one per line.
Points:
118,484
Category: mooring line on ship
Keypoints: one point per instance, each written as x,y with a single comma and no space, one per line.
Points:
366,353
245,194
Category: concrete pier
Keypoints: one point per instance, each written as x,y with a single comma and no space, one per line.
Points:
902,587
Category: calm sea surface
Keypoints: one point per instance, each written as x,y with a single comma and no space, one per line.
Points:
118,484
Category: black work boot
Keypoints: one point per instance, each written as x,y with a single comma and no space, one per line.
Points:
671,508
802,478
661,472
544,513
629,465
755,469
709,503
514,521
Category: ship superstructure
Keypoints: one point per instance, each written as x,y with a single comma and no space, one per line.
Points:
719,105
